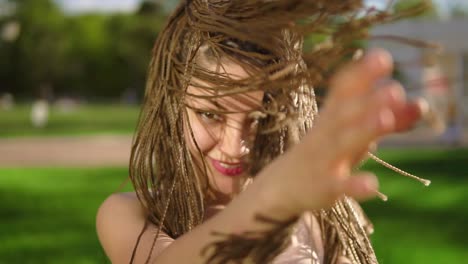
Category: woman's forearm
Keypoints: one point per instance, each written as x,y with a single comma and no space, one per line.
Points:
238,217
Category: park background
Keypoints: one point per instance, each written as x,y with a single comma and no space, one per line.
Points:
82,66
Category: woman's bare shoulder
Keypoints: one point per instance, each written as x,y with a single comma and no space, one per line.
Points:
120,209
119,220
122,202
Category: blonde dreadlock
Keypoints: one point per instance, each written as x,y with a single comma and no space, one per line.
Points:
265,37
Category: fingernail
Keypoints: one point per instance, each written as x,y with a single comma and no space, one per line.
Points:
372,184
397,93
378,58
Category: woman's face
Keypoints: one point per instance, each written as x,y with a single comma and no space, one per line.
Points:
223,138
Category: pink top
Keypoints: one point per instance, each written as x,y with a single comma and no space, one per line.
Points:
306,245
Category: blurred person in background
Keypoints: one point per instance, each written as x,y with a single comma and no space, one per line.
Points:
41,107
40,113
439,93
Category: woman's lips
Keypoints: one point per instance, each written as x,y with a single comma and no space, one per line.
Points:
228,169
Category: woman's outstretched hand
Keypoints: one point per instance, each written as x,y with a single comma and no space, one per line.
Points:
362,106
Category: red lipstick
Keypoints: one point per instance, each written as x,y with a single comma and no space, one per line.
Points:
228,169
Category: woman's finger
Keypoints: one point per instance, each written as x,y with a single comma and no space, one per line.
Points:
358,78
358,137
361,186
408,114
362,121
362,156
353,112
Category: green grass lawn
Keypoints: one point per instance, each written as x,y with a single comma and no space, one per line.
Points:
86,119
422,224
47,215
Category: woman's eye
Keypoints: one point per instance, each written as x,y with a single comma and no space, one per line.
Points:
209,116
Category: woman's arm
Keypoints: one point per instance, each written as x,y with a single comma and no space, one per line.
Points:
121,218
311,176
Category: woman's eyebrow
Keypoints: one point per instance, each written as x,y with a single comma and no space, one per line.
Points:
214,103
207,103
218,105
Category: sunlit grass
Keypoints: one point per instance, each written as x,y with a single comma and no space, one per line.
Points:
422,224
85,119
48,215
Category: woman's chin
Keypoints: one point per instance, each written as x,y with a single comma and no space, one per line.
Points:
227,186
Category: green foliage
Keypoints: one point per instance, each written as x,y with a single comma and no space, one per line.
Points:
39,52
429,12
92,55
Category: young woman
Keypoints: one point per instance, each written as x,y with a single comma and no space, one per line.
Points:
230,161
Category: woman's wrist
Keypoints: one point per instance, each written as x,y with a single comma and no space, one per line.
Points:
270,197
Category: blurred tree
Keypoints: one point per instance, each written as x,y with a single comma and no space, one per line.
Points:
40,49
429,12
6,46
117,50
93,55
166,5
132,39
459,11
87,70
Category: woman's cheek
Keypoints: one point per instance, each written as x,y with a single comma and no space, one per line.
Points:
204,137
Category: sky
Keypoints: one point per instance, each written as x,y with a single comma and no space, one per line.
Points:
77,6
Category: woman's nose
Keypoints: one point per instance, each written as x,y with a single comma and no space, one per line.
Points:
232,142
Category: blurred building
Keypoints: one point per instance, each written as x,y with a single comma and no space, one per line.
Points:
429,72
